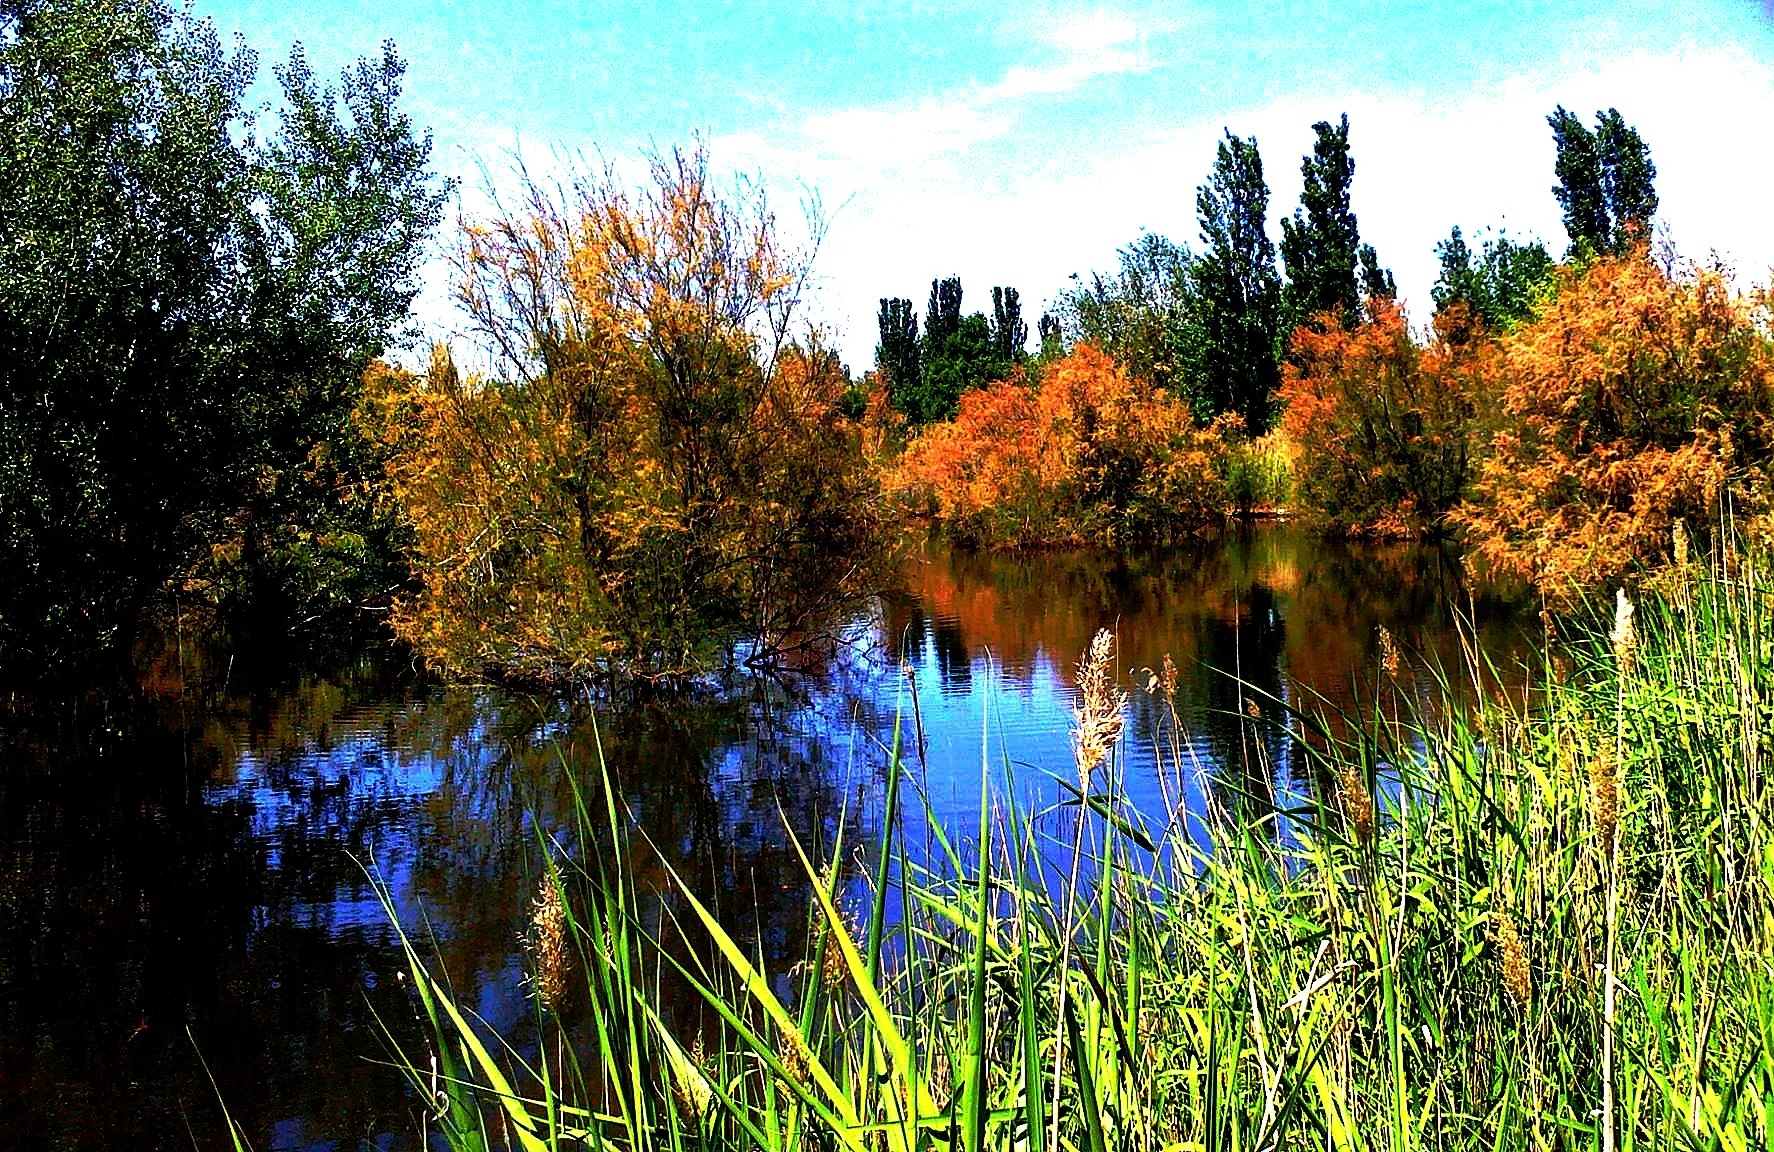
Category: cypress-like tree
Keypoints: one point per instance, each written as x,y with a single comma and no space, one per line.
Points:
1376,282
1238,290
942,317
1606,181
1320,245
897,354
1628,179
1579,188
1009,334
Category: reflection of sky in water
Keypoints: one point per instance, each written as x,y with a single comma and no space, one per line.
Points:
440,791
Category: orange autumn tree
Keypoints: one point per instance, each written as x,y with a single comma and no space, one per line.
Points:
1084,453
1635,399
655,477
1382,422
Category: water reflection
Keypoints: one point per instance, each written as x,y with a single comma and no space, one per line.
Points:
192,857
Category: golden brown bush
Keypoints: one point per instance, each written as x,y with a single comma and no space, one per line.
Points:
658,478
1085,453
1382,423
1635,399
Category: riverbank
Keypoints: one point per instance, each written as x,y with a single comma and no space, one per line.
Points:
1541,921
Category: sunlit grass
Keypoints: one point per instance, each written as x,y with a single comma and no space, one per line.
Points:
1535,923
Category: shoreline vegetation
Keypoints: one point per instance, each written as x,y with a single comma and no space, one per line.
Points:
1538,922
1542,923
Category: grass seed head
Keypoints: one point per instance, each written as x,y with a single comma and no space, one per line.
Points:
1358,803
1624,635
1604,798
1390,658
548,943
1517,977
796,1060
1098,711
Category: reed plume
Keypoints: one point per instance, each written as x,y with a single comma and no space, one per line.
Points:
1624,635
548,944
1097,713
1517,978
1390,659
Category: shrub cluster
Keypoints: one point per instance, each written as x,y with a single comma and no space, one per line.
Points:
1565,449
1080,452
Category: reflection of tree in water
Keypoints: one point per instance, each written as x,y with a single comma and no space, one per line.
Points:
159,870
1233,689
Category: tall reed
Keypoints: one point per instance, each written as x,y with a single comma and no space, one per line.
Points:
1536,922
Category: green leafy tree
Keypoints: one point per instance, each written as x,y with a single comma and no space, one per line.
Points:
187,309
1235,360
1498,288
1376,282
1321,244
958,352
1628,180
1606,181
1010,336
897,355
1143,315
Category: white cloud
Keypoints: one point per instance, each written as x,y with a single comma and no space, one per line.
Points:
1423,164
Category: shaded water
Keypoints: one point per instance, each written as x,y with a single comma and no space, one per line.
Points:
184,873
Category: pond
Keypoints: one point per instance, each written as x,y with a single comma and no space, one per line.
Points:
185,878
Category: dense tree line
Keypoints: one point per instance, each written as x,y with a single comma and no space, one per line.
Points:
926,376
189,297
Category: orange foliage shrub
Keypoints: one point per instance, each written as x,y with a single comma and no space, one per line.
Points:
1381,422
1633,400
1086,453
659,478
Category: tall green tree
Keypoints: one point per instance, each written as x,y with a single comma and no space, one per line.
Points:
1377,283
1321,244
1239,292
1628,179
188,302
1606,181
897,354
1143,315
1010,335
1500,285
957,352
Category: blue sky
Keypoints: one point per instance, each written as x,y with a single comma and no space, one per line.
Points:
1022,144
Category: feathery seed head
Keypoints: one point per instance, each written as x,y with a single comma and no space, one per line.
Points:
1097,714
1624,635
548,943
1517,976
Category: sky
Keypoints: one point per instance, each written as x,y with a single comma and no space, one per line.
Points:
1024,145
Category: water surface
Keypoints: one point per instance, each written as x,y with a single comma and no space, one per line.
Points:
189,871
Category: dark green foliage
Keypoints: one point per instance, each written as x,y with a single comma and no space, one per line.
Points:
1053,337
1376,282
1321,245
957,352
942,316
897,355
1628,180
1010,335
967,359
1240,293
186,313
1501,287
1143,316
1605,182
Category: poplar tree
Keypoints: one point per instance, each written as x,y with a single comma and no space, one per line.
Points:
1606,181
1010,334
1321,244
1238,290
897,354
